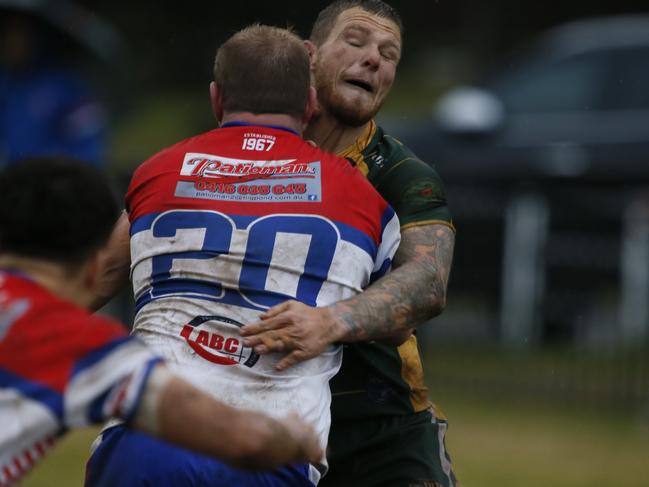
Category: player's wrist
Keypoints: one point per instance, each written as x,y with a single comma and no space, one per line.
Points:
341,325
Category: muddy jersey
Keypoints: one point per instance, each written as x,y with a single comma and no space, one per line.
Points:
229,223
60,368
378,379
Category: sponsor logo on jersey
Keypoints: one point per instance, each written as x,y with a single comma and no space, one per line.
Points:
220,178
219,341
214,166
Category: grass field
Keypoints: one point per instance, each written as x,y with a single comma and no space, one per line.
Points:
511,447
495,441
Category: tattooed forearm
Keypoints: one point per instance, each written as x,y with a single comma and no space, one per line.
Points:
414,292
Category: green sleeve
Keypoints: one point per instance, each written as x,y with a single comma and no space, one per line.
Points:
415,192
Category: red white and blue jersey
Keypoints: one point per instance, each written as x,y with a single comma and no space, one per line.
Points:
225,225
60,368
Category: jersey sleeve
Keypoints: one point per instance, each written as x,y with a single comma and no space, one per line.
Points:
108,382
390,239
414,189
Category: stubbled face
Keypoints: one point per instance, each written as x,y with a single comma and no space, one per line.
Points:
356,66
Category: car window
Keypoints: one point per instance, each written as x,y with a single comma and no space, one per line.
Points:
574,83
628,88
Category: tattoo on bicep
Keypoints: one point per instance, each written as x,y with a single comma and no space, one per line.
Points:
414,292
429,246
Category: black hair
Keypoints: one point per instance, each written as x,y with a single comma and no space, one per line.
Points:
55,209
328,16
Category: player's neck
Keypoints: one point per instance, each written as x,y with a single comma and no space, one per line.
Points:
276,119
332,135
53,277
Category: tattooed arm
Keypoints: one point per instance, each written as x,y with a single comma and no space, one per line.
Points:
413,293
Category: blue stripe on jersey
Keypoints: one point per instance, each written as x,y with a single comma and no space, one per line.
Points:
34,391
143,223
388,215
385,267
358,238
191,289
97,355
129,414
347,232
97,412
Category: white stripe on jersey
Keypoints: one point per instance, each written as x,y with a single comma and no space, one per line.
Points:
390,240
283,261
28,429
129,357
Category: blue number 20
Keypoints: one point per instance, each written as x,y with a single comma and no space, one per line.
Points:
258,259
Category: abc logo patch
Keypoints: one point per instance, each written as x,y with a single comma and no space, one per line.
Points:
215,338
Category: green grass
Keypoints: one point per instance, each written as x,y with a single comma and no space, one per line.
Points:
492,445
515,421
65,465
507,446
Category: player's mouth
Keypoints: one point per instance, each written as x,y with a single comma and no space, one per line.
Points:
359,83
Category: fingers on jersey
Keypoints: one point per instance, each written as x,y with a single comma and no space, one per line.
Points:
291,359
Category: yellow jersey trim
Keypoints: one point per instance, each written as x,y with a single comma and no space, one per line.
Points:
413,374
355,151
429,222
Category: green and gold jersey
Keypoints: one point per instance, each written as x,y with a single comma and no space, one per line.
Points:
377,379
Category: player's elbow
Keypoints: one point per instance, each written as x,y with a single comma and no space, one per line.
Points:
437,299
439,304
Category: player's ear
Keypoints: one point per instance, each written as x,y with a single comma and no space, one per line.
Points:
93,267
311,106
216,100
87,279
313,54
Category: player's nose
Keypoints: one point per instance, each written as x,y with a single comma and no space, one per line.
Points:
371,57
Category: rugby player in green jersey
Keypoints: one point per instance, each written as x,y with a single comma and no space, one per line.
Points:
385,429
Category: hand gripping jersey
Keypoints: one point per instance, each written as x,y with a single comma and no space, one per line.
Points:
229,223
60,368
377,379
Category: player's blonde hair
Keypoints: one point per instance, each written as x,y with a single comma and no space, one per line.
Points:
263,69
328,16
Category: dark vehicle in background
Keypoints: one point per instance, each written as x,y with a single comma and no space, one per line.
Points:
547,172
576,105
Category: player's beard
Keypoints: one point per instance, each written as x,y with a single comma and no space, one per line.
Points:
351,114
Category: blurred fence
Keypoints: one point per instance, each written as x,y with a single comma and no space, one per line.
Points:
549,289
552,263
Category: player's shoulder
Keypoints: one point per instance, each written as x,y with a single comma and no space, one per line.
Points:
89,328
32,314
393,151
81,333
388,158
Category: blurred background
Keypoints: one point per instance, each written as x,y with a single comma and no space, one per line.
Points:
536,116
